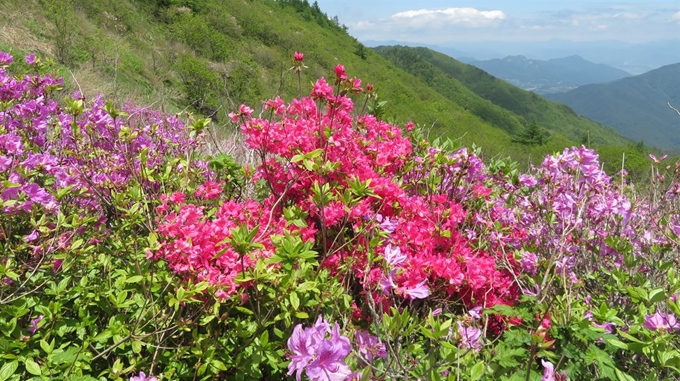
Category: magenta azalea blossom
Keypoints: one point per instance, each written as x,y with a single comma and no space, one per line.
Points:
30,59
5,58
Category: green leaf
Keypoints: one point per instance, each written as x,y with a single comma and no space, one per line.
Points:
264,338
657,295
218,365
294,300
32,367
46,347
8,370
477,371
621,376
134,279
617,343
631,337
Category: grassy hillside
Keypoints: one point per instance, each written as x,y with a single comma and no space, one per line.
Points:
210,56
637,106
469,85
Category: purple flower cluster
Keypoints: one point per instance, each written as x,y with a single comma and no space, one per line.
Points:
567,208
81,154
320,351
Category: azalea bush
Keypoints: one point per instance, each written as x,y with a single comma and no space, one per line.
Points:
360,250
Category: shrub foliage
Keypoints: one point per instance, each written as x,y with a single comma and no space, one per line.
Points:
361,250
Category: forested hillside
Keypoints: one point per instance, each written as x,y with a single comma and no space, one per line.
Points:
482,91
210,56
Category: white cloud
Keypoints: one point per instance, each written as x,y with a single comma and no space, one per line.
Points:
440,17
676,17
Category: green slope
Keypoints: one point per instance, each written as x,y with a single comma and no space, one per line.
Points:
212,55
469,85
637,106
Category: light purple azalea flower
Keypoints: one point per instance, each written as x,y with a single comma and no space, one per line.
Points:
607,326
329,364
300,343
387,224
528,263
5,58
387,282
143,377
548,371
370,346
5,162
469,337
661,322
34,324
419,291
393,256
475,313
321,357
31,237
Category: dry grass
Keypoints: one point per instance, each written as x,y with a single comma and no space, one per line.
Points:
18,24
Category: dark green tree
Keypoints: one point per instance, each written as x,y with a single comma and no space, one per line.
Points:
533,135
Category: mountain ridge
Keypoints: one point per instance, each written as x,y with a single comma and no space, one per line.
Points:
552,76
635,106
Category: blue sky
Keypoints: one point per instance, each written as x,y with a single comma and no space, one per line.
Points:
440,21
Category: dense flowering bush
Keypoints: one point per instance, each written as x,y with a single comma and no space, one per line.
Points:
127,252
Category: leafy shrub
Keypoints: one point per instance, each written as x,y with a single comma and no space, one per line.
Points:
369,253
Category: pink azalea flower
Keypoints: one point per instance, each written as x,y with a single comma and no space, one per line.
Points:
340,72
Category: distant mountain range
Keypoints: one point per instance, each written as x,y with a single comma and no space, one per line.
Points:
635,106
634,58
551,76
493,100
